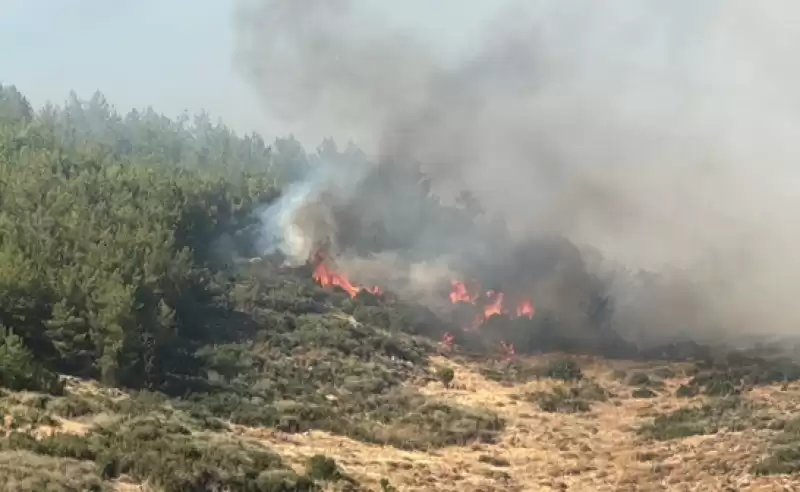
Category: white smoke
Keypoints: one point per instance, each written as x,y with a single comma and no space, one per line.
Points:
661,135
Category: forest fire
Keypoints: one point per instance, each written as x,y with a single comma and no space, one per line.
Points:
327,278
492,303
525,308
460,293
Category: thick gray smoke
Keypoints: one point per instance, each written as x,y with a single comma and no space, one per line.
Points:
660,136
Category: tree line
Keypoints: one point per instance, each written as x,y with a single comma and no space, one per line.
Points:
106,223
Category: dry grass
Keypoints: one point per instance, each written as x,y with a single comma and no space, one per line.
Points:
23,471
598,450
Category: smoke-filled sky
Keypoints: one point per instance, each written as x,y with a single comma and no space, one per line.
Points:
662,134
175,55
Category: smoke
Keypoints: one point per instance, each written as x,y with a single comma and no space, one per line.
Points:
659,136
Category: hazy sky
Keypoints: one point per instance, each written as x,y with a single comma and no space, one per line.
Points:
171,54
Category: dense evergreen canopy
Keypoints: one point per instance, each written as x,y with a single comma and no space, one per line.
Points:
106,222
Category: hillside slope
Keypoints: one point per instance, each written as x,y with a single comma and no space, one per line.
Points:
139,351
604,439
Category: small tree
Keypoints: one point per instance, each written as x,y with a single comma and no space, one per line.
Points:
445,375
18,369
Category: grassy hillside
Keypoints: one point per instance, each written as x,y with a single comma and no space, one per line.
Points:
138,353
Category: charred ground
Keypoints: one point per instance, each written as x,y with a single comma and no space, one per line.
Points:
138,352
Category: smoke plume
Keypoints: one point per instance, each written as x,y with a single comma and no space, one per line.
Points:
656,136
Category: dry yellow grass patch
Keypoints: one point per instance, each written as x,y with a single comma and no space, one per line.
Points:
594,451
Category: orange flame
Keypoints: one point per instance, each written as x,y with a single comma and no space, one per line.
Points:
495,305
327,278
525,309
492,304
460,293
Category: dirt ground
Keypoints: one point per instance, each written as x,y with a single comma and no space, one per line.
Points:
597,450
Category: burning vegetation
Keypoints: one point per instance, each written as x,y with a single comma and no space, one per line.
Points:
489,303
389,236
327,277
482,304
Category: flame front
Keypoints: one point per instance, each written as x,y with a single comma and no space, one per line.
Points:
525,309
495,305
492,303
327,278
460,293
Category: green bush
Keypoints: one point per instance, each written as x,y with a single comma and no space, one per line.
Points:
736,372
445,375
731,413
643,393
639,379
18,369
687,391
23,471
784,451
570,399
563,369
386,486
75,405
165,454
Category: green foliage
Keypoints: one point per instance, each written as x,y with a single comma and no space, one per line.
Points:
323,468
118,235
19,370
735,372
563,369
327,371
574,398
23,471
687,391
494,460
639,378
386,486
784,453
165,454
643,393
731,413
445,375
105,226
14,107
73,406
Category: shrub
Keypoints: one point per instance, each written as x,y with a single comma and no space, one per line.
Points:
643,393
730,413
784,452
570,399
23,471
165,454
563,369
75,405
18,369
321,467
686,391
445,375
386,486
736,372
494,460
638,378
